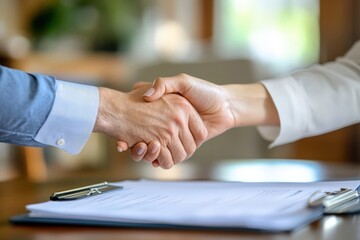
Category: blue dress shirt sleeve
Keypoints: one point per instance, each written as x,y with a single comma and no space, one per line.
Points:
38,110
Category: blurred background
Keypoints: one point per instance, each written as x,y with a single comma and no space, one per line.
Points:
114,43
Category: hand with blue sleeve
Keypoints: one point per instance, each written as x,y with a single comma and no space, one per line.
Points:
171,121
39,110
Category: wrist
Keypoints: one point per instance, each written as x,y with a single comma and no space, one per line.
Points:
104,118
100,122
251,105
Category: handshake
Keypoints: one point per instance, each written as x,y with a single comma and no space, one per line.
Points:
166,121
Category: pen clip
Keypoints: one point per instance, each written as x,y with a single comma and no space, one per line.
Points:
332,199
82,192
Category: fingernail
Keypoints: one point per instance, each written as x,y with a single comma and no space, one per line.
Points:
140,151
149,92
119,149
155,148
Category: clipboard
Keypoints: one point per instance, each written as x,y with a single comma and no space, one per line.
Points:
301,221
343,201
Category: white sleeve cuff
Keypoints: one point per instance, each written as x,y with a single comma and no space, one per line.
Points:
269,133
286,93
354,52
72,117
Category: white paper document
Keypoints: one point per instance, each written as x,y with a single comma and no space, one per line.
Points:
264,206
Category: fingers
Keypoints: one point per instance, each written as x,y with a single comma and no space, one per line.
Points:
138,151
151,152
163,85
191,136
197,128
160,156
177,149
184,146
155,164
122,146
165,158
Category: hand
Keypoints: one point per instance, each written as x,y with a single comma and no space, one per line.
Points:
220,107
212,101
208,99
171,122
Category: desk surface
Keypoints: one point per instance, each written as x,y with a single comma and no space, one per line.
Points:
15,194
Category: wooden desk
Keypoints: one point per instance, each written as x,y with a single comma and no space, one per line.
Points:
15,194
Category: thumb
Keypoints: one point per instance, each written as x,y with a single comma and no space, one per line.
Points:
164,85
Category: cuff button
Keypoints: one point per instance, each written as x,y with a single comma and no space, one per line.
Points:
60,142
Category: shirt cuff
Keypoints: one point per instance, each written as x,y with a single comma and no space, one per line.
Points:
285,93
354,52
72,117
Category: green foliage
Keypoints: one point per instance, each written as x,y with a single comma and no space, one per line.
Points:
106,25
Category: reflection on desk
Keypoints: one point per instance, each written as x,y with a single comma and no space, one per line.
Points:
251,170
261,170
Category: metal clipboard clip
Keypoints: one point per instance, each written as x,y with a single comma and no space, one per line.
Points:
343,201
82,192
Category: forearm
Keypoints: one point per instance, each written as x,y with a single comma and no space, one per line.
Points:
25,102
251,105
38,110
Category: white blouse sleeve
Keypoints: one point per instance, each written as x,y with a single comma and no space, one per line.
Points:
320,99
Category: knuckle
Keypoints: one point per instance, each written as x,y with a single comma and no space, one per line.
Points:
191,150
167,165
183,104
149,157
159,80
181,158
177,122
170,131
183,76
203,135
